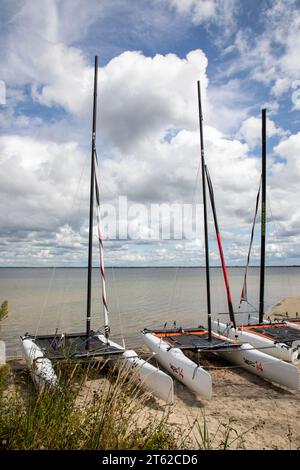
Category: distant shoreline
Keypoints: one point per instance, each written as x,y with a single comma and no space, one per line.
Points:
145,267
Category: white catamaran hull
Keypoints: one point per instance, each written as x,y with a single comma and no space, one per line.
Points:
265,366
256,362
145,374
278,350
149,377
180,366
40,367
293,325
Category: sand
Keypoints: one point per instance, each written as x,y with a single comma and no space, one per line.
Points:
265,416
261,415
286,308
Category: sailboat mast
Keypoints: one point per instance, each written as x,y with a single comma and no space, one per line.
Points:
205,213
92,189
263,217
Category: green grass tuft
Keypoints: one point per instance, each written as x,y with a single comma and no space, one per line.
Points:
4,310
75,416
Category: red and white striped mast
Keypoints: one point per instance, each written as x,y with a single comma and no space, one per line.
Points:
101,252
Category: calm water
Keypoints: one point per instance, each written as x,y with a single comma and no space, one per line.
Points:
41,299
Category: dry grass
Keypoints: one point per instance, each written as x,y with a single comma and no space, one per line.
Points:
67,418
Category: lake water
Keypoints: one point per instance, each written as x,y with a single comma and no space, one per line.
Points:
42,299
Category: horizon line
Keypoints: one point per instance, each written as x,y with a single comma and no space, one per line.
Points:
147,267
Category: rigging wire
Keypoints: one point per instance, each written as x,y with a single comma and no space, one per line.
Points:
118,306
244,296
218,236
45,301
286,278
53,268
60,305
101,248
173,291
78,201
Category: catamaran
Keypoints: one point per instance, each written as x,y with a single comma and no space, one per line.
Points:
170,345
42,351
279,339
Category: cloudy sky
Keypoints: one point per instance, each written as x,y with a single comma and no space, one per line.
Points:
151,54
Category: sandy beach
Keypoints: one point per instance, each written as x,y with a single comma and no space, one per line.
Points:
286,308
263,415
260,414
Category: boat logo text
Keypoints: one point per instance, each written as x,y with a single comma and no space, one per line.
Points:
256,364
177,370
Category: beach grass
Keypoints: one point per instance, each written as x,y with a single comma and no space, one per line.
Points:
76,416
4,310
97,407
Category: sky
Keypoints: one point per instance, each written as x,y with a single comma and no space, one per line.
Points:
151,54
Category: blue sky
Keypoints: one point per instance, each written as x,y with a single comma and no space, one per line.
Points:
151,54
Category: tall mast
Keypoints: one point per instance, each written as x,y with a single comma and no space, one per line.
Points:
92,189
263,217
205,213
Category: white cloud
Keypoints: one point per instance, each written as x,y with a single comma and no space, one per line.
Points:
250,131
283,194
199,10
296,94
289,149
144,96
281,86
221,12
228,105
151,154
148,139
38,182
35,52
39,43
271,56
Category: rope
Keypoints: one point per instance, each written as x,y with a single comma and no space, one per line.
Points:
221,253
196,183
45,302
287,288
101,251
59,310
251,305
65,287
118,307
172,294
244,289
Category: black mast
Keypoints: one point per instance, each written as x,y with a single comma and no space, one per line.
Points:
263,217
92,186
205,214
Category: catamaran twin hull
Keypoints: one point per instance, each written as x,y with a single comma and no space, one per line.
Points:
278,339
169,345
41,350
